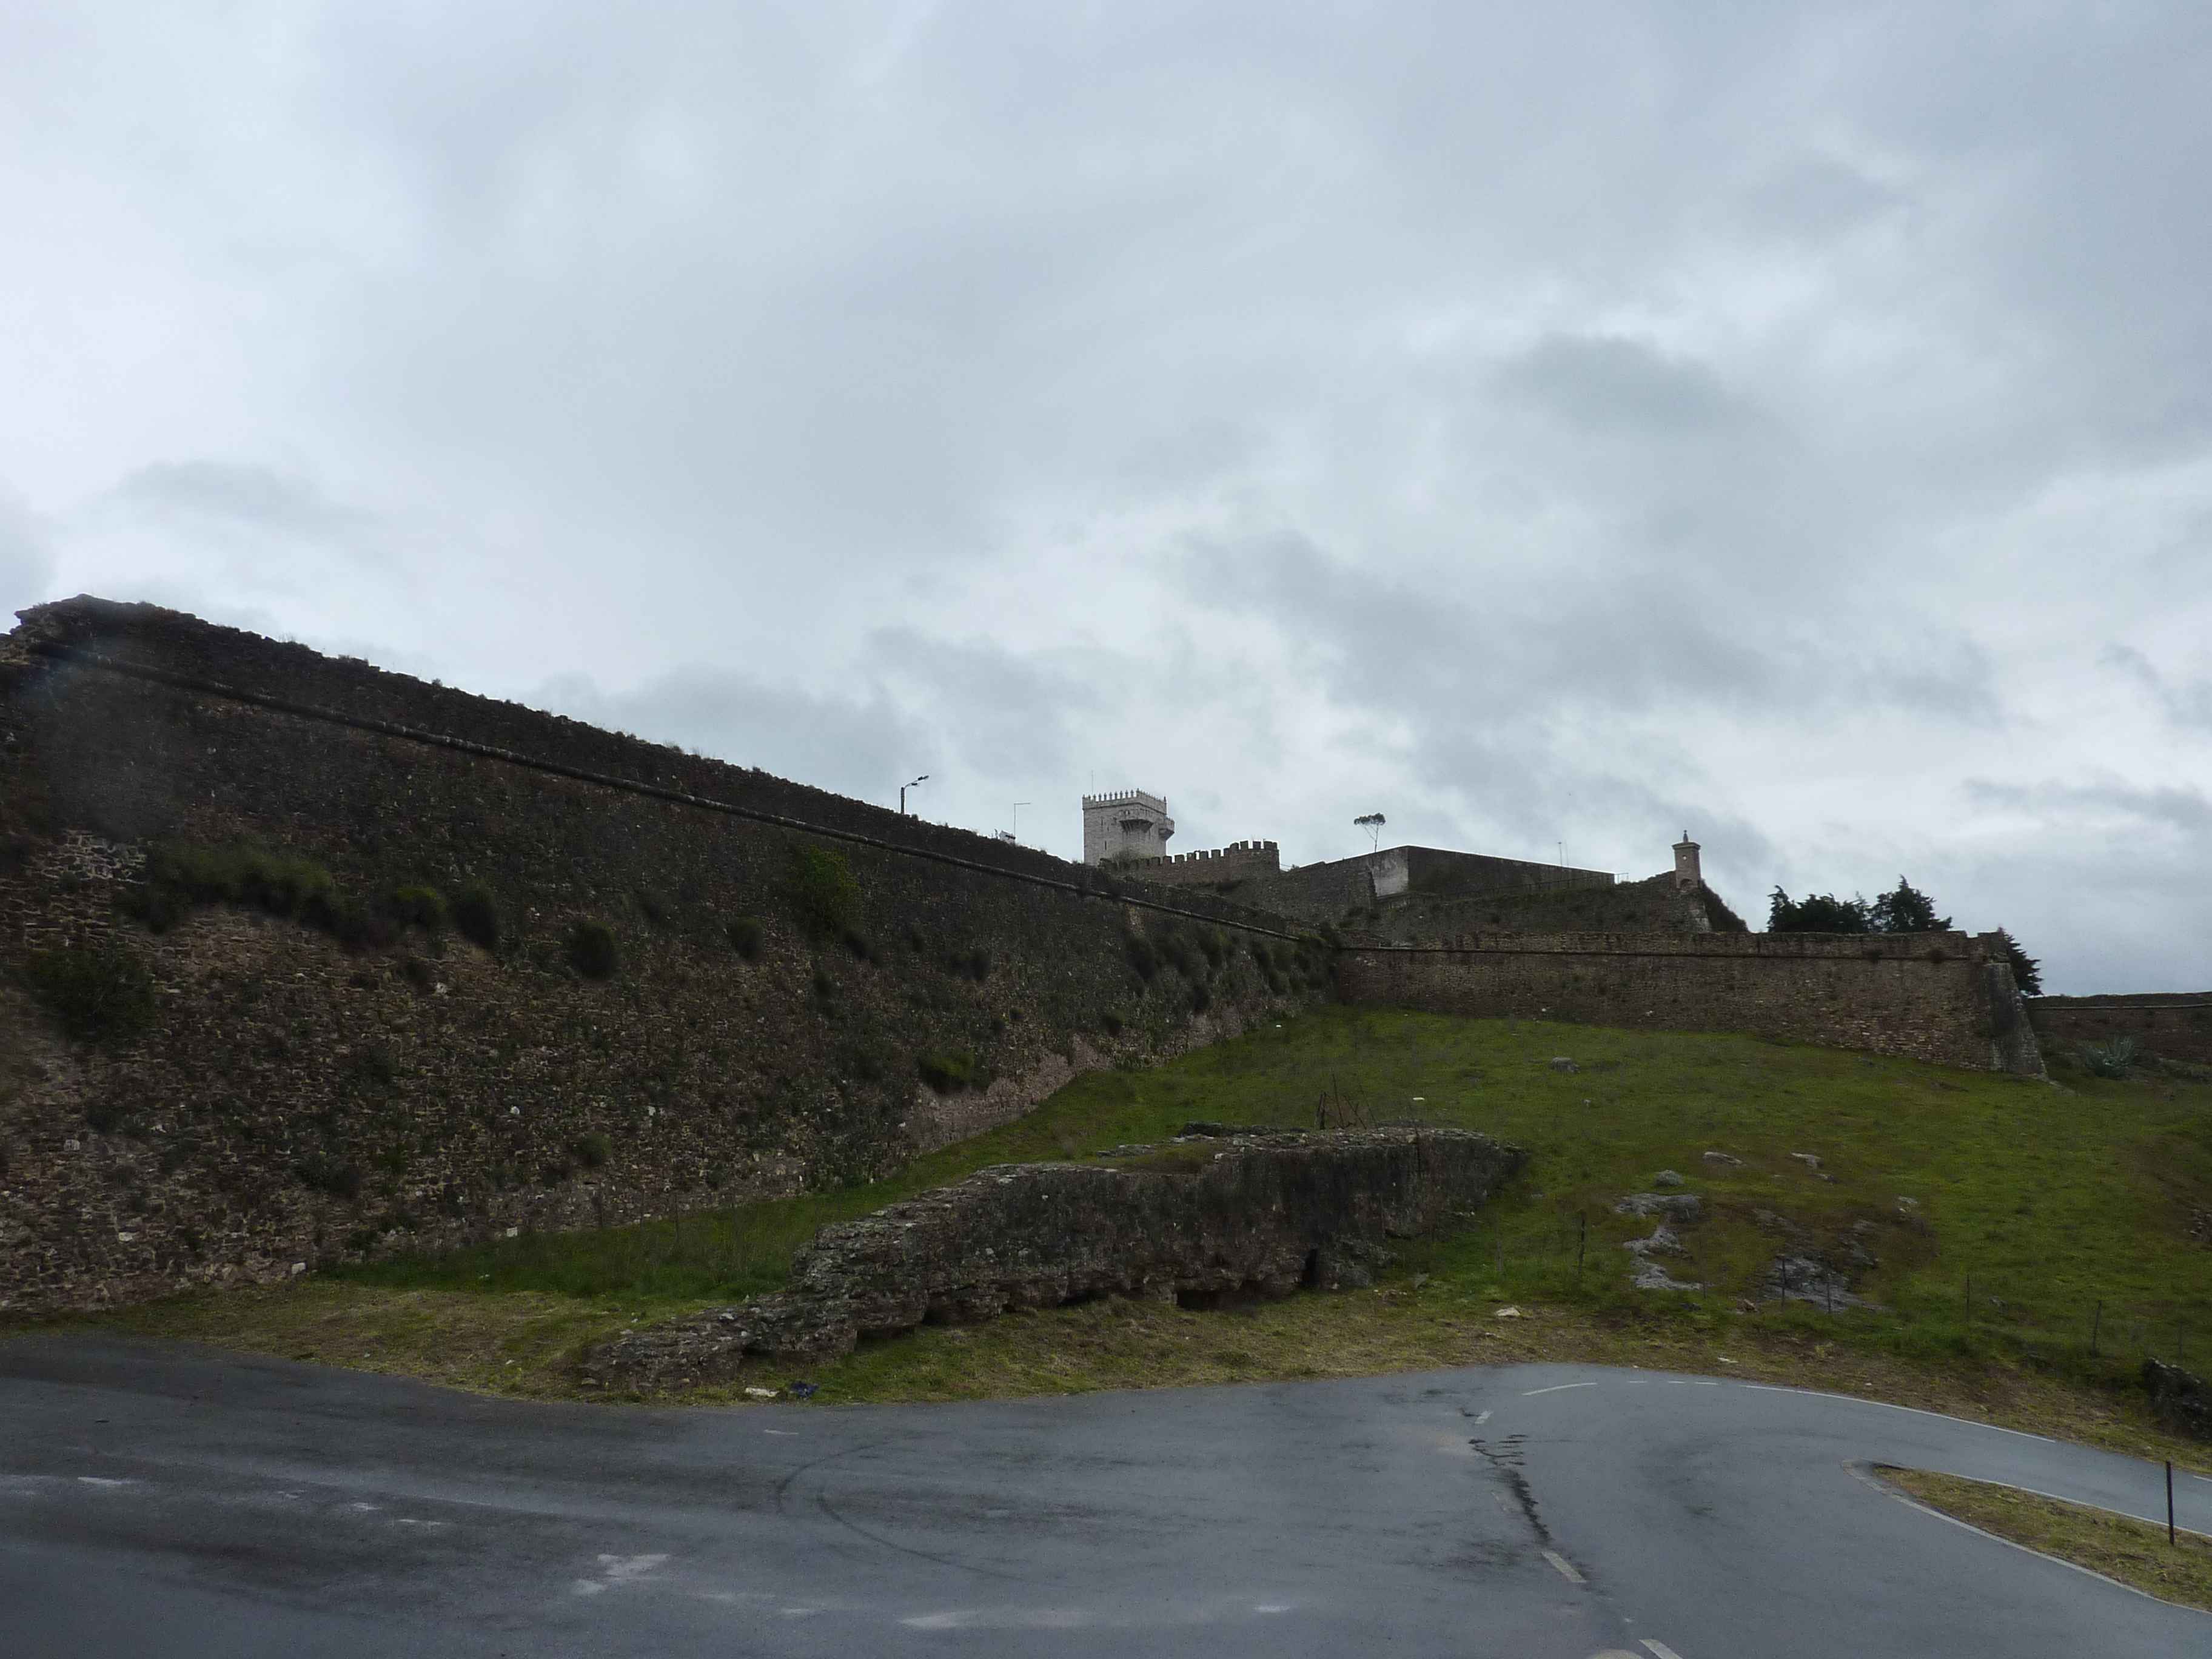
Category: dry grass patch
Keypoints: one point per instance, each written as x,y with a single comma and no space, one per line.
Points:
2133,1552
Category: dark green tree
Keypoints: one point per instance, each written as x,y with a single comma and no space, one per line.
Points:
1905,909
1816,913
2027,972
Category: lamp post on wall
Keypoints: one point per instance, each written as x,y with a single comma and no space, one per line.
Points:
903,787
1018,818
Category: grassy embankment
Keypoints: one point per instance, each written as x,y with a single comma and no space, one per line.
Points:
2032,1205
2133,1552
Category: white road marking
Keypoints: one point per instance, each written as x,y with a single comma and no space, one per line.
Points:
1660,1649
100,1481
1566,1567
1485,1417
784,1433
1941,1417
1530,1394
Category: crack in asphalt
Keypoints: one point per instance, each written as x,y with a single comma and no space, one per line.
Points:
1505,1458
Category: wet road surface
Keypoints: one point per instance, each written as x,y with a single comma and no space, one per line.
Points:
159,1499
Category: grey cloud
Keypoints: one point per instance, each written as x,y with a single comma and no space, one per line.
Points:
1612,383
855,746
260,498
26,565
2103,806
2185,702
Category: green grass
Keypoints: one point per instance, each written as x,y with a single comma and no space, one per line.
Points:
2049,1201
2046,1201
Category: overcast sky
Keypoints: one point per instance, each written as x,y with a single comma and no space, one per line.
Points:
1541,424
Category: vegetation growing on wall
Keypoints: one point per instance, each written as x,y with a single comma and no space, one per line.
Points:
825,895
97,994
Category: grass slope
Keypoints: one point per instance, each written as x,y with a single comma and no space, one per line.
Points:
2032,1206
2133,1552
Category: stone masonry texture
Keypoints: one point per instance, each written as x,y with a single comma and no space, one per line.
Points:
2172,1026
1940,997
298,1103
1258,1213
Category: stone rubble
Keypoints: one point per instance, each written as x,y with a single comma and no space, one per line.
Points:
1196,1222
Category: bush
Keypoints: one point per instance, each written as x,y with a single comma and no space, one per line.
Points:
476,917
823,893
591,950
418,907
857,942
973,963
1200,998
97,994
2113,1059
1214,946
825,986
1142,957
1111,1022
947,1073
746,937
591,1151
654,909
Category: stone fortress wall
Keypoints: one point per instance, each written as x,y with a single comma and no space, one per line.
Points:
1223,868
1947,998
314,1090
309,1091
2172,1026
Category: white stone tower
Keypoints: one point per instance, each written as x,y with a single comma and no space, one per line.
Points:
1126,824
1687,874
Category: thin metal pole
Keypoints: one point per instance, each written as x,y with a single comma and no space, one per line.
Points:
2095,1325
2169,1505
1581,1242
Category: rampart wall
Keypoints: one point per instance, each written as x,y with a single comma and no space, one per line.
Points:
2174,1026
1940,997
1239,861
297,1101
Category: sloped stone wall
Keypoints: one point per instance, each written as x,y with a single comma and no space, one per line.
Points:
298,1100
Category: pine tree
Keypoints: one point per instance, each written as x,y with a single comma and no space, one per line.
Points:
1905,909
1816,913
2026,971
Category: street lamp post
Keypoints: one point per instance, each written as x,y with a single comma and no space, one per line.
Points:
903,787
1018,818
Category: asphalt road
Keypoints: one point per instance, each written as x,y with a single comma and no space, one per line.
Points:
162,1500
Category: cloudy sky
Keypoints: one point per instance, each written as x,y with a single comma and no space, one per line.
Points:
1548,426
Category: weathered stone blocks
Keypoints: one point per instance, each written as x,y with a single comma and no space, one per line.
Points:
1193,1221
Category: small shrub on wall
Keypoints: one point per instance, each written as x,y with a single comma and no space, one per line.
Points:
476,917
97,994
746,937
418,907
1142,957
947,1073
824,892
591,950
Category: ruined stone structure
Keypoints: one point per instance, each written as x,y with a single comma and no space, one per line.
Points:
1252,1213
1127,825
